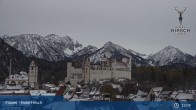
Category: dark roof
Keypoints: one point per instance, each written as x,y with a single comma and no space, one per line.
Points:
60,91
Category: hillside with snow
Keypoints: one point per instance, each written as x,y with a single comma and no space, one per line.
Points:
85,51
170,55
55,48
51,47
110,49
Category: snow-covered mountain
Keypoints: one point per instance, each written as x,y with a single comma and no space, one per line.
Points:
85,51
110,49
138,54
170,55
51,47
54,48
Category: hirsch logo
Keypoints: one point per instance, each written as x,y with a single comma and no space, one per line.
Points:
180,15
180,30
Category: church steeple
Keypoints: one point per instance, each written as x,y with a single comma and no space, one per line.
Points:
33,75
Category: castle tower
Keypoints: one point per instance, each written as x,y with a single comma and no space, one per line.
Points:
129,65
69,70
104,62
33,75
86,72
130,62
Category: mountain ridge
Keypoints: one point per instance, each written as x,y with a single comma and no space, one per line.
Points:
51,47
170,55
55,48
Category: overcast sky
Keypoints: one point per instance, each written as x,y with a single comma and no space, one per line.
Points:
140,25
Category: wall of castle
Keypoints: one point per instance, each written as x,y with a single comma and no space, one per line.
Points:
73,73
76,73
96,72
100,75
122,74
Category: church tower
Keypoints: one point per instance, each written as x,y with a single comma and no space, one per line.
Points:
33,75
86,70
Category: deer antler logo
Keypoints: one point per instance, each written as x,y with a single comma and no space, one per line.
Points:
180,30
180,14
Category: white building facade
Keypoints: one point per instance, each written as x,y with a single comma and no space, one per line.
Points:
17,79
112,68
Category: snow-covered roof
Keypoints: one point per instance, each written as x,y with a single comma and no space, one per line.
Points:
21,76
121,79
19,91
6,92
13,87
98,92
180,91
141,93
49,85
78,85
37,92
119,96
166,92
115,86
68,95
157,90
23,73
184,96
86,91
192,91
138,98
79,99
12,91
48,94
93,90
174,94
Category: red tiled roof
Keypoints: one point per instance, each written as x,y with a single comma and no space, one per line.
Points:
60,91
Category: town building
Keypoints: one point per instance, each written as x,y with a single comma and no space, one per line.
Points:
108,68
17,79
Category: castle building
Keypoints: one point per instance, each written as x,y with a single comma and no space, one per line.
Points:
107,68
33,75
